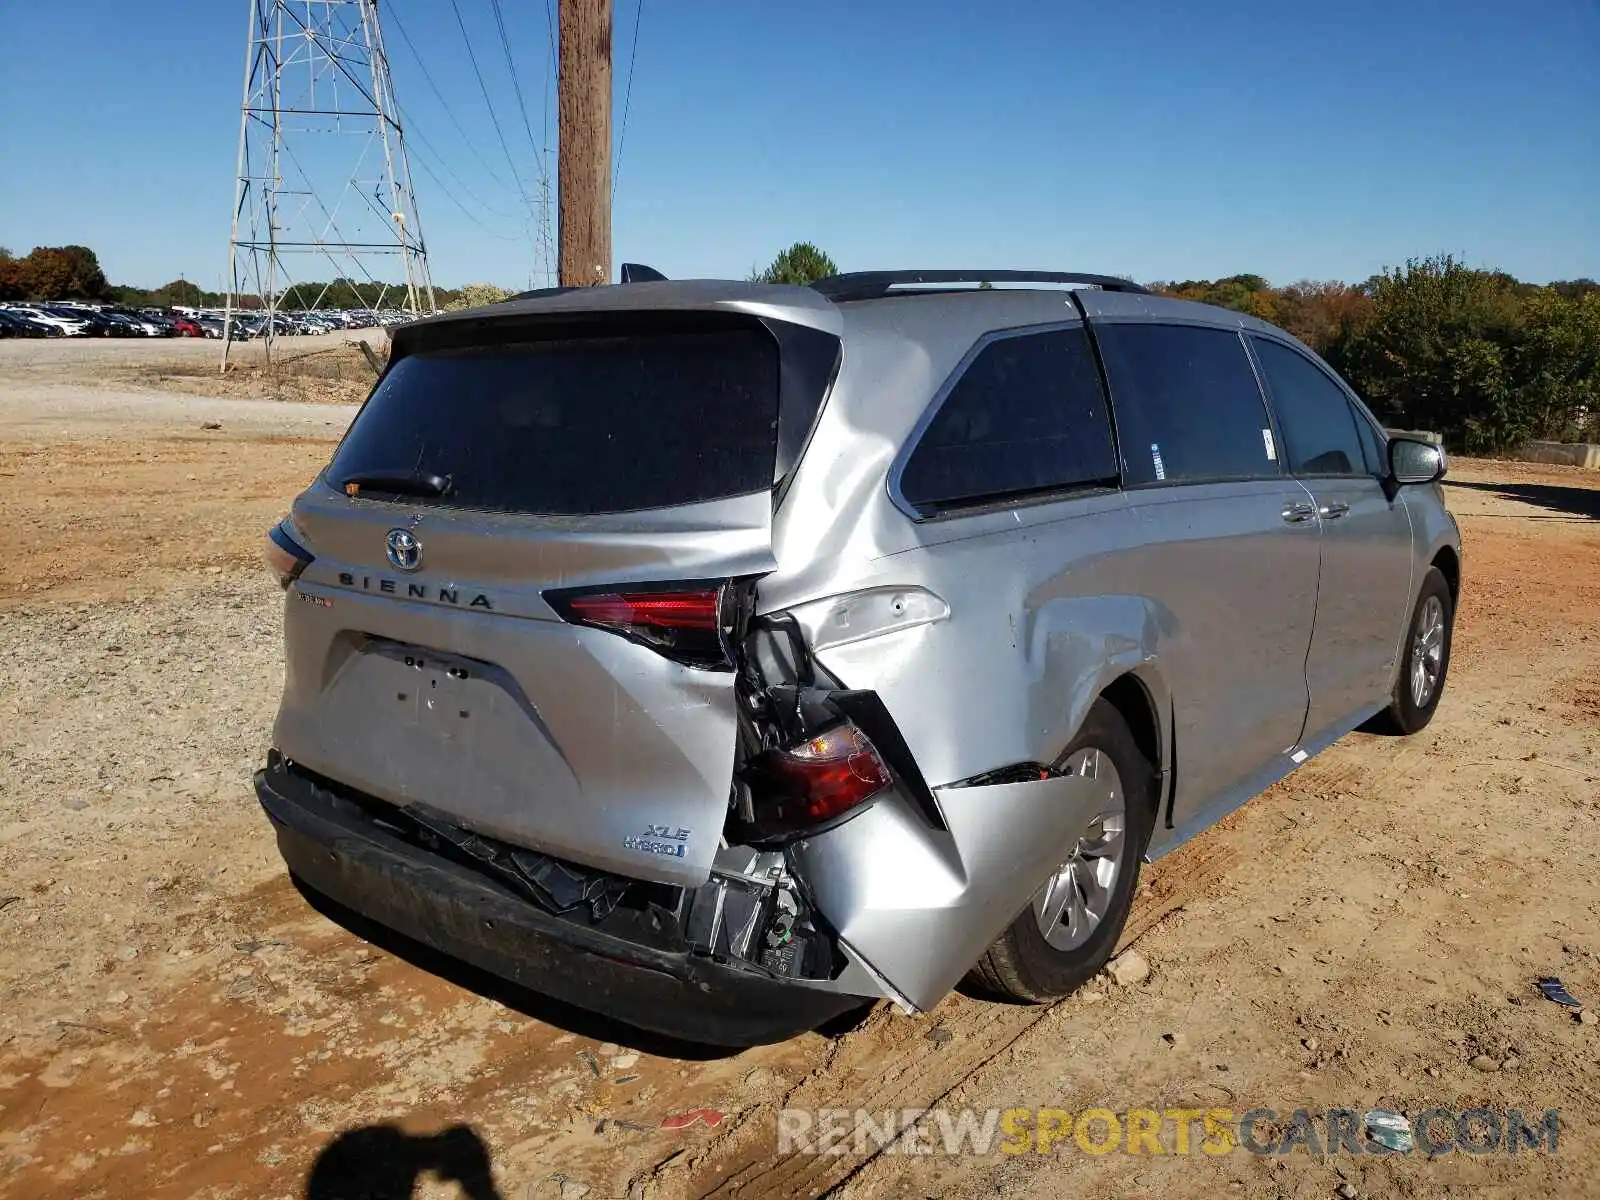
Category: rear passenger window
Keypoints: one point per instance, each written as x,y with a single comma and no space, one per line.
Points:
1027,415
1313,411
1187,403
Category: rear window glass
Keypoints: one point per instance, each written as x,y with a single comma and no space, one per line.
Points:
1026,416
1187,404
587,425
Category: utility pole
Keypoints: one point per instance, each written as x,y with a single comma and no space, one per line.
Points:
584,149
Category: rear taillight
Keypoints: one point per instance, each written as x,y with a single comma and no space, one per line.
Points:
285,557
686,623
810,784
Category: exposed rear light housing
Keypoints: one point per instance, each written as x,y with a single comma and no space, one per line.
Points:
286,558
801,788
689,622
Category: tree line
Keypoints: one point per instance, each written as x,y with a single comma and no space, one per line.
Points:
1476,355
1479,356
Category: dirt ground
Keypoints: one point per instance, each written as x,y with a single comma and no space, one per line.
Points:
176,1021
324,368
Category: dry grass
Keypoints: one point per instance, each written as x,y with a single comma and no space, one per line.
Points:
341,374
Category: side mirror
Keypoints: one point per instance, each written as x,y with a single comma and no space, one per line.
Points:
1412,460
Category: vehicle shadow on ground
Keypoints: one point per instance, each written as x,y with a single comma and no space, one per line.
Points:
383,1162
1569,501
556,1013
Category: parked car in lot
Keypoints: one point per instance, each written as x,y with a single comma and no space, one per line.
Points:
14,323
163,324
148,324
722,656
103,324
119,324
70,323
95,321
187,327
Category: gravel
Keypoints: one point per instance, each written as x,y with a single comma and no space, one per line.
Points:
132,730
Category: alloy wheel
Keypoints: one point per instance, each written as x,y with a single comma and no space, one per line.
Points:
1427,651
1078,896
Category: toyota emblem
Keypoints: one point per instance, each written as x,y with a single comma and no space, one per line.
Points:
404,550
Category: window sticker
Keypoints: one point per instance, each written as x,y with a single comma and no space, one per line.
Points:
1155,457
1272,451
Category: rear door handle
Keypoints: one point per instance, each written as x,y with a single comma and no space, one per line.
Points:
1298,511
1334,509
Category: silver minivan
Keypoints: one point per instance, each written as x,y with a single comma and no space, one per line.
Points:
724,656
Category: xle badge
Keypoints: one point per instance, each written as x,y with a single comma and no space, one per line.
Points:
659,839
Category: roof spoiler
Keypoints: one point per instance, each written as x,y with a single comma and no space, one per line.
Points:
536,294
872,285
639,273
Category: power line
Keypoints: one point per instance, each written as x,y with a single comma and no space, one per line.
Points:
433,151
489,104
541,240
424,144
627,99
451,196
546,241
516,81
444,103
550,64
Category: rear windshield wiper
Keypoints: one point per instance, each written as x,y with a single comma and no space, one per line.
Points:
401,483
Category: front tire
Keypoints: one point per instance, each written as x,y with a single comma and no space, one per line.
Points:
1071,926
1426,659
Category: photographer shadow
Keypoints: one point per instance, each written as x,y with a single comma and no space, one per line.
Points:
383,1162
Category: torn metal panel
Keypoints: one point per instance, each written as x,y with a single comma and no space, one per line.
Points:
921,905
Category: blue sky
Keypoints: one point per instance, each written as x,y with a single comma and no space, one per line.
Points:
1159,140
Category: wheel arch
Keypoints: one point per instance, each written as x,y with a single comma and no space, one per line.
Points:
1449,564
1141,698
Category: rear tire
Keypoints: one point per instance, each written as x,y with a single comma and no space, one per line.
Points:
1022,964
1425,661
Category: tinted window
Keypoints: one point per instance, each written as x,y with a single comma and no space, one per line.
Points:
1313,412
1187,403
1371,444
586,425
1026,415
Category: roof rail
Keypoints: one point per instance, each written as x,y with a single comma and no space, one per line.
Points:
872,285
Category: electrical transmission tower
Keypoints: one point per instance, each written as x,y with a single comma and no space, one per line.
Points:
324,185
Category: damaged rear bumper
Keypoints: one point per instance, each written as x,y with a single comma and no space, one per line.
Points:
332,847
